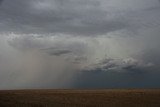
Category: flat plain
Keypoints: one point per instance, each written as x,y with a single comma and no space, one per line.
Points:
81,98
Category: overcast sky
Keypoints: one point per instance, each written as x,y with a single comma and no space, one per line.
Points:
79,44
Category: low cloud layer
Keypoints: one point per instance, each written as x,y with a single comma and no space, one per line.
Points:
68,43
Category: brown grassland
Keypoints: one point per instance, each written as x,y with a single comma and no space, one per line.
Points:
80,98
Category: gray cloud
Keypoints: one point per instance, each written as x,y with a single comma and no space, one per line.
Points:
24,43
53,16
1,1
80,17
56,52
119,65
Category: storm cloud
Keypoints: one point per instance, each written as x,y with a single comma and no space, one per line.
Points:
80,17
68,43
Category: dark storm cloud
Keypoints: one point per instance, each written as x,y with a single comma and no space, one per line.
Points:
83,17
78,17
1,1
105,80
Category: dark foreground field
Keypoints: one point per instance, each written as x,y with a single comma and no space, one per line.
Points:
80,98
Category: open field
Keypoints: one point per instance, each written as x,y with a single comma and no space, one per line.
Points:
80,98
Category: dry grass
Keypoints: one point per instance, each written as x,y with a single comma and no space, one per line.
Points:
80,98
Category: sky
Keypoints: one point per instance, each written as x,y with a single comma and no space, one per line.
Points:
79,44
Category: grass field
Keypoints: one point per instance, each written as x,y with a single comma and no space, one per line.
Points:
80,98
